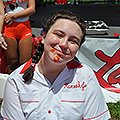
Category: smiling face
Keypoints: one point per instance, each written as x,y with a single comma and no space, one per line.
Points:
62,41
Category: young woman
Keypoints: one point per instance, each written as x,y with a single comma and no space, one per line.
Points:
54,85
15,31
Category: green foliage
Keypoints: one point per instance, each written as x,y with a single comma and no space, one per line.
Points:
0,104
114,109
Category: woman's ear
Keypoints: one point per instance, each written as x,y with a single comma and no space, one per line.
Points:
43,37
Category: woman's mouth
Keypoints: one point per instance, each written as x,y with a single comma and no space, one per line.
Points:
59,52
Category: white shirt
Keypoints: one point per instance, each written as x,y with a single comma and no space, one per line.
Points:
22,4
75,95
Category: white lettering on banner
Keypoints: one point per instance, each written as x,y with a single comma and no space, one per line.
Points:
103,56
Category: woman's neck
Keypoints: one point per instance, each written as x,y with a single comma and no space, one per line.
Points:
50,69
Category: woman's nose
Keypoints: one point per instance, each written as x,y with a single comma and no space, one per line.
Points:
64,43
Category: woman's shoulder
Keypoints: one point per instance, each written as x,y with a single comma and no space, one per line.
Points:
86,67
85,72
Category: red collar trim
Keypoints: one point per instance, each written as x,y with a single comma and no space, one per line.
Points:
74,64
71,65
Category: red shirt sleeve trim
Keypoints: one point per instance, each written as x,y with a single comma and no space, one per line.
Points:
96,116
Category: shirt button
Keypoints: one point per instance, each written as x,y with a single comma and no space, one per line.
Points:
49,111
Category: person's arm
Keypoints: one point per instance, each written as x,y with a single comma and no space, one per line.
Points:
11,107
2,16
27,12
95,105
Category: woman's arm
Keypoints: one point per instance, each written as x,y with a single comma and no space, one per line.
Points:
95,105
27,12
2,17
11,107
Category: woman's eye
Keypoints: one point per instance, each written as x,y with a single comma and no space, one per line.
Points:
73,42
59,35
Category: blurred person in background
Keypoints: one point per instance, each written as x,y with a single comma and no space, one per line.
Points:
15,31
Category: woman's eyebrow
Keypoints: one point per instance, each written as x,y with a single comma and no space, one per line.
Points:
56,30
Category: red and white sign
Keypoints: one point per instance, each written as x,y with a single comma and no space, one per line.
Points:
103,56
